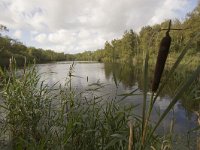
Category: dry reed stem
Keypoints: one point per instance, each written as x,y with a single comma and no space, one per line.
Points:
130,145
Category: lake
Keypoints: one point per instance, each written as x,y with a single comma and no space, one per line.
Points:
119,79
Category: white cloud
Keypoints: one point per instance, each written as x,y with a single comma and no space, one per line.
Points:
169,9
84,34
61,36
78,25
17,34
41,38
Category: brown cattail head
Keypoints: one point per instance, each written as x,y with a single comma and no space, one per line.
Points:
161,59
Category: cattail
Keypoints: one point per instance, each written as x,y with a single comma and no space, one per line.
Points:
161,59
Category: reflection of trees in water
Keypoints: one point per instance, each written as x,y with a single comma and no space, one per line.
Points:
191,98
124,73
198,137
129,75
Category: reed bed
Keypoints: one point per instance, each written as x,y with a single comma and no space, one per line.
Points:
37,116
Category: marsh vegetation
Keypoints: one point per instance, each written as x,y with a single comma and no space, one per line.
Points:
73,109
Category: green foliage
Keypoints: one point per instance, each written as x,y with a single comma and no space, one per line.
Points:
121,50
133,46
11,48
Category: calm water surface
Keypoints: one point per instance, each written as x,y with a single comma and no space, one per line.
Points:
119,79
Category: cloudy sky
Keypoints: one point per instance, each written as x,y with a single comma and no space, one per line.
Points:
73,26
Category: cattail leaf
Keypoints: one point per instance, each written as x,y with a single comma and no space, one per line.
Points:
111,143
145,88
119,136
183,88
125,95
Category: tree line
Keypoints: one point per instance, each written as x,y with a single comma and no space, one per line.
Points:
12,48
133,45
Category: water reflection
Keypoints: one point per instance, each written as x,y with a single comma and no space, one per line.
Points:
124,78
55,72
130,76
